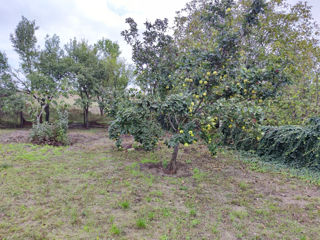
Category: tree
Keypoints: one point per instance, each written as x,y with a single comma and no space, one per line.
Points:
11,102
291,33
210,73
52,73
114,75
42,71
24,43
85,70
154,57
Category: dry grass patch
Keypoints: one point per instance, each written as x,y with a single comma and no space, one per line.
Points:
92,191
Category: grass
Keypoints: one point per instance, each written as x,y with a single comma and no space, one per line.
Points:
141,223
92,191
125,204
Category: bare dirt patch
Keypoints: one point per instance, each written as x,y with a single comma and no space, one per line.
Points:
75,136
15,136
159,170
82,137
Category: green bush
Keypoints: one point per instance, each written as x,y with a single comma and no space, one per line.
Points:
135,117
51,133
295,145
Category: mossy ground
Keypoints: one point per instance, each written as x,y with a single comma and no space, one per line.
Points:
92,191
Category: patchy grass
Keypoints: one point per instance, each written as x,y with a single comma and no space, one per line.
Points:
92,191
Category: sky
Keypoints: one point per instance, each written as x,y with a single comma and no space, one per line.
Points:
88,19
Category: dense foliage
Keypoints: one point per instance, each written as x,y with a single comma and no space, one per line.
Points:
11,102
295,145
51,133
201,71
136,116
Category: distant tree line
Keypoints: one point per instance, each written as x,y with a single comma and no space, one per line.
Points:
94,73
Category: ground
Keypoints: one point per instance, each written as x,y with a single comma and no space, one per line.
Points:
89,190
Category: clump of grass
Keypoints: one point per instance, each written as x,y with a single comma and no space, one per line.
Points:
147,160
241,214
151,215
166,212
197,174
243,186
5,166
165,163
114,230
193,212
214,229
124,205
195,222
157,193
141,223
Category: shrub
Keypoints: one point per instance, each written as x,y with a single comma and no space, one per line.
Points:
294,145
51,133
136,118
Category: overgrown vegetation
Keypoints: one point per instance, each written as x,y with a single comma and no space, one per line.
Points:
295,145
51,133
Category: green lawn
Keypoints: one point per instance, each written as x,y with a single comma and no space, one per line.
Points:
92,191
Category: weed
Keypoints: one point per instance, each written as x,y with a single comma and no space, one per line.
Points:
114,230
198,175
185,188
193,213
188,161
5,166
124,204
195,222
241,214
141,223
165,163
157,193
243,186
214,229
164,237
147,160
166,212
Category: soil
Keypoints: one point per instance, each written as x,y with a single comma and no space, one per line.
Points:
75,136
157,169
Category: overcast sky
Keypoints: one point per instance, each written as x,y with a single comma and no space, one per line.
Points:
89,19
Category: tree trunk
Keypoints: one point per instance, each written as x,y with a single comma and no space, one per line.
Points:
101,111
47,111
317,91
40,119
21,119
172,167
86,117
42,104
